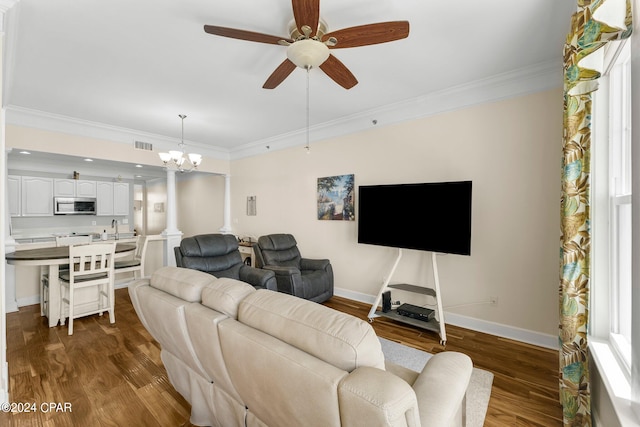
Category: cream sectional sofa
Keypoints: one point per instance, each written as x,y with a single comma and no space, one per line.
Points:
247,357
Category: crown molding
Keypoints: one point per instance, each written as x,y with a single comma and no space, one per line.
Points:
37,119
516,83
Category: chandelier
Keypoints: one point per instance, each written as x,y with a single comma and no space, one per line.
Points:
178,159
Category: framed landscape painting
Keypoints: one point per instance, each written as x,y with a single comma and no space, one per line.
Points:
336,198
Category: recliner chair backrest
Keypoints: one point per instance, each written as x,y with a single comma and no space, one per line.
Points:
279,249
212,253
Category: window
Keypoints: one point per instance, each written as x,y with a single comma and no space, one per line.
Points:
620,205
611,338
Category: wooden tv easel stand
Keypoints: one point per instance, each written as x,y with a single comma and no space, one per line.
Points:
436,324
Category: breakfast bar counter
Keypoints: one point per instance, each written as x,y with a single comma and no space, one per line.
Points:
51,258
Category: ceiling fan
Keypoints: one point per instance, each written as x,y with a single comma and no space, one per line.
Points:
309,42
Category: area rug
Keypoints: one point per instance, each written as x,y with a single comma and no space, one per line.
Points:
479,390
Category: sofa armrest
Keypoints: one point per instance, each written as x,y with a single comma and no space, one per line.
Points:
258,277
314,264
289,279
441,387
134,289
373,397
281,270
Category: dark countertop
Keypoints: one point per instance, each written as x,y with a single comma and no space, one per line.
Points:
55,253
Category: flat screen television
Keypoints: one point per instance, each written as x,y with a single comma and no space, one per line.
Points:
434,217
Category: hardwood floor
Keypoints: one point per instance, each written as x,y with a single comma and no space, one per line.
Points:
525,384
112,375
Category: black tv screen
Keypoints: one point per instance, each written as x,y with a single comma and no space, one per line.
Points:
433,217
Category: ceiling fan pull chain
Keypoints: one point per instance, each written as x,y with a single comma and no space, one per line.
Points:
308,147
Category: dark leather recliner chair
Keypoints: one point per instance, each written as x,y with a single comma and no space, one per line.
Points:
310,279
218,254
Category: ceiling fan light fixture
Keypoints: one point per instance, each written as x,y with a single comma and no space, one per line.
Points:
308,53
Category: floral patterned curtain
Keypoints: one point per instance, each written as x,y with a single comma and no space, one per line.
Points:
596,23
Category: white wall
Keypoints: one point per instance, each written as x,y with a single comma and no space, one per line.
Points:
511,150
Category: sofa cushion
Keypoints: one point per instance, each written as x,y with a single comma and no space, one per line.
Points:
183,283
223,295
337,338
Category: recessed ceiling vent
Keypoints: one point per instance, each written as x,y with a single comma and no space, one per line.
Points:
143,145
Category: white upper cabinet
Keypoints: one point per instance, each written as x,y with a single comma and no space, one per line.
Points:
104,191
85,188
14,184
74,188
64,187
33,196
121,198
37,196
113,198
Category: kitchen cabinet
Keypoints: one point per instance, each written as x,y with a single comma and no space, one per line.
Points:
104,194
85,188
74,188
121,198
64,187
14,185
113,198
36,196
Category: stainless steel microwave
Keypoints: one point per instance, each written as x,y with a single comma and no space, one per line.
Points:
74,205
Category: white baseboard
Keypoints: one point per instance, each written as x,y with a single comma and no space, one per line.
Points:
478,325
11,306
121,285
505,331
32,300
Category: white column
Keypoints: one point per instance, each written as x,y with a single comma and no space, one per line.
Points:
10,302
171,234
226,228
5,6
635,204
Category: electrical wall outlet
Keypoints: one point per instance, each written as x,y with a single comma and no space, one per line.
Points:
93,223
125,220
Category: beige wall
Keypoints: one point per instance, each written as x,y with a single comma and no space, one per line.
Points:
511,152
201,201
156,206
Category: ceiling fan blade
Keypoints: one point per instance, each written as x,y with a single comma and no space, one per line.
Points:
338,72
244,35
278,76
306,12
364,35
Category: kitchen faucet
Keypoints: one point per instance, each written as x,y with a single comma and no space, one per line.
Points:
114,223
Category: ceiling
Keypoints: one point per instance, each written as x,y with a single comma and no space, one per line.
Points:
133,66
